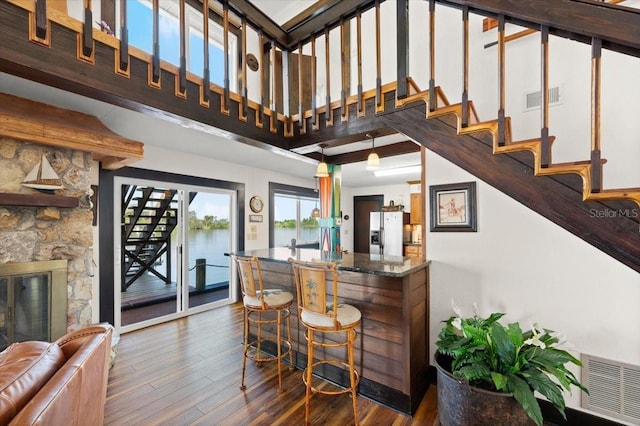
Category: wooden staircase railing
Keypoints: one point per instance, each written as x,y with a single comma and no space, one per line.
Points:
321,115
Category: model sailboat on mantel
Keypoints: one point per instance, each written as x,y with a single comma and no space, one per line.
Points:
43,177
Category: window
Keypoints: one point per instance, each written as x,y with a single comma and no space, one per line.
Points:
290,213
140,17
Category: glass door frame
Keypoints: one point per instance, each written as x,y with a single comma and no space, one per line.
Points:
181,247
109,222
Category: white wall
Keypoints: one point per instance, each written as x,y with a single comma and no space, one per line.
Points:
523,265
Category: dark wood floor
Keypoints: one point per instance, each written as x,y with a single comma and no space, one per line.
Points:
188,372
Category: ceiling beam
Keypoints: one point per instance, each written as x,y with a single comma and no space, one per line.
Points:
406,147
330,17
311,12
260,20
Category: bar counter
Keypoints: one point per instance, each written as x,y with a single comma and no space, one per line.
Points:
392,293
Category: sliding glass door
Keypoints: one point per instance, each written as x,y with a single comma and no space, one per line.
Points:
209,237
171,249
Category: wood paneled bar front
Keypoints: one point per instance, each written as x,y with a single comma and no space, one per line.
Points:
392,292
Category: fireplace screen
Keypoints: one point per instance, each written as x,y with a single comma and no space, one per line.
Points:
33,301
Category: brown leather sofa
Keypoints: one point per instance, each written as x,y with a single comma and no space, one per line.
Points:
60,383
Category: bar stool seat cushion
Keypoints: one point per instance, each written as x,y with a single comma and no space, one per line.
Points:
348,315
273,298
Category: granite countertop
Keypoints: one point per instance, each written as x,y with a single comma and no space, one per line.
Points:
409,243
391,266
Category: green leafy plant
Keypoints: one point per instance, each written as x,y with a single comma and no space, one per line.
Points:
502,358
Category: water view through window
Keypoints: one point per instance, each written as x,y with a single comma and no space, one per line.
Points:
293,220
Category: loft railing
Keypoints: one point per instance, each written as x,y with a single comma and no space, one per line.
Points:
296,81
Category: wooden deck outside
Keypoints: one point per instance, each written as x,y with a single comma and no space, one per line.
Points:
149,288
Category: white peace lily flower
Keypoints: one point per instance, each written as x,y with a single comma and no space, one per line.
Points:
456,309
457,323
535,339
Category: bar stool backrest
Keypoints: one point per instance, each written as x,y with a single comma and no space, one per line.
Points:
250,277
317,284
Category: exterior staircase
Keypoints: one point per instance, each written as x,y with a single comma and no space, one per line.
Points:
149,217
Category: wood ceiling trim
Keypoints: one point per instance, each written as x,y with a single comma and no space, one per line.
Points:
311,12
256,17
406,147
31,121
329,17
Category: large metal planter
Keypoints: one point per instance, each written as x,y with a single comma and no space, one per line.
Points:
462,405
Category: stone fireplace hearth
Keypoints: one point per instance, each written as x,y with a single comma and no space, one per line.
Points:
44,233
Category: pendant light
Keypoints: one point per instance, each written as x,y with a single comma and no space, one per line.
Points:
373,161
315,213
323,169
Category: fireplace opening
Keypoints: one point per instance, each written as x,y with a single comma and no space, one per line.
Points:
33,301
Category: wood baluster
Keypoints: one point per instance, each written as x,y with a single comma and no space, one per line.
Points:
433,101
155,66
245,92
345,55
124,38
301,120
182,72
87,30
402,44
206,80
501,82
359,36
596,154
545,159
314,76
41,19
465,65
328,113
274,88
378,59
261,60
226,99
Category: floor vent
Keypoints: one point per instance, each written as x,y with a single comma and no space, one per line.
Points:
614,388
533,100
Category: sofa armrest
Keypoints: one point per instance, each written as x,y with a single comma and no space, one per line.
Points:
76,394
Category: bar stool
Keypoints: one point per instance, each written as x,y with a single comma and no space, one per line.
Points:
261,307
320,312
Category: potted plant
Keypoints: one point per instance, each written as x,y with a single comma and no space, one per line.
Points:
477,357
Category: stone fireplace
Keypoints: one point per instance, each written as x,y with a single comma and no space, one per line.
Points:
36,234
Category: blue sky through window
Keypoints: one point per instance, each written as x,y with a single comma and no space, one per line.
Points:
140,24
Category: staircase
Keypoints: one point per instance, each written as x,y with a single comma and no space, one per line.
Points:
149,217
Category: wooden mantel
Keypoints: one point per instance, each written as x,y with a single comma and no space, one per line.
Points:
36,122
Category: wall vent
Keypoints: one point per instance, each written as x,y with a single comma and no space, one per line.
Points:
614,388
533,100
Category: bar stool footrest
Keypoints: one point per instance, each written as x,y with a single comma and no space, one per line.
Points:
252,352
331,392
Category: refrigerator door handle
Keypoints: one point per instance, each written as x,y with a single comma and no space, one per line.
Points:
381,240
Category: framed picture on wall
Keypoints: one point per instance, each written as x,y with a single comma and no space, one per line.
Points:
453,207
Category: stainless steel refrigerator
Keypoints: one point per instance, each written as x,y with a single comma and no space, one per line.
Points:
386,232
